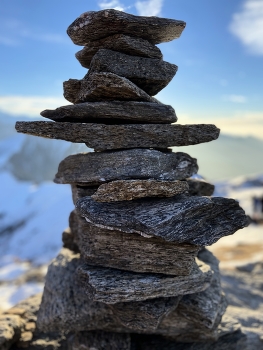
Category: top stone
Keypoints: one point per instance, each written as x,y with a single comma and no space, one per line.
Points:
91,26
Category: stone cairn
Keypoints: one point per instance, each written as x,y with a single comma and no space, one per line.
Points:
134,272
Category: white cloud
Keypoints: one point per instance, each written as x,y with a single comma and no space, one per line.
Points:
29,106
111,4
247,26
235,98
149,8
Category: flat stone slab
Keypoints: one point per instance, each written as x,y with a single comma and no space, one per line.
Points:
131,252
121,43
93,25
97,168
200,187
103,137
196,220
150,74
127,190
103,87
113,112
111,286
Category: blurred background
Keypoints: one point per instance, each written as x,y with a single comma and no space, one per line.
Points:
219,81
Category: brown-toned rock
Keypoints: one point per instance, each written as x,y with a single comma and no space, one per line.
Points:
121,43
118,112
10,330
103,137
150,74
103,87
93,25
100,167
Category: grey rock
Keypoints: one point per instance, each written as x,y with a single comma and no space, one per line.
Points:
113,112
196,220
200,187
101,87
82,191
103,137
68,239
97,168
132,252
150,74
93,25
112,286
121,43
126,190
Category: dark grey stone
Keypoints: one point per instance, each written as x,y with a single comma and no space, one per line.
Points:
150,74
118,112
121,43
100,167
200,187
103,137
93,25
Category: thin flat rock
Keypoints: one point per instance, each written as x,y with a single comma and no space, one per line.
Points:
111,286
150,74
101,87
94,25
120,43
200,187
127,190
103,137
196,220
113,112
97,168
131,252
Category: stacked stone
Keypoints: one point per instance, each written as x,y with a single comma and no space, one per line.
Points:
134,258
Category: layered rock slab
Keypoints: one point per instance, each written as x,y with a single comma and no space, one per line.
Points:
121,43
150,74
113,112
91,26
103,137
200,187
127,190
182,219
103,87
97,168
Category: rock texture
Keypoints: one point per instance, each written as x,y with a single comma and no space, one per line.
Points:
196,220
101,87
91,26
150,74
120,43
10,330
131,252
98,168
127,190
113,112
200,187
103,137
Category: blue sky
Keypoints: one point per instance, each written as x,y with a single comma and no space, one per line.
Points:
220,57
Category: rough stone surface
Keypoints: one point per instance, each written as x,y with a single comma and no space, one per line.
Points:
196,220
200,187
103,137
132,252
121,43
68,239
82,191
91,26
150,74
112,286
10,330
97,168
113,112
127,190
101,87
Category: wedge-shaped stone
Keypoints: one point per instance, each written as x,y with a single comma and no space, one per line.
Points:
101,87
132,252
113,112
150,74
127,190
93,25
196,220
200,187
121,43
103,137
111,286
97,168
